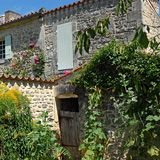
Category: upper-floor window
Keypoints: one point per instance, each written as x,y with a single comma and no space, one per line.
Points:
64,46
5,48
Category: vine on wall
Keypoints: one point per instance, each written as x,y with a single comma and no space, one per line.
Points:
135,76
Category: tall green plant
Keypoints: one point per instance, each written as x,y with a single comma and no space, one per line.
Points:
95,141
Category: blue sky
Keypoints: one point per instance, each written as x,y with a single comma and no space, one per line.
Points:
26,6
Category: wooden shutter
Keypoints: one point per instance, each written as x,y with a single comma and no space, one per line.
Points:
8,47
64,46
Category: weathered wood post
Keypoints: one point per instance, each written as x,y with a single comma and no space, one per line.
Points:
1,147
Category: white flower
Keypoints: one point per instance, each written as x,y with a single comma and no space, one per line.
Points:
115,105
133,99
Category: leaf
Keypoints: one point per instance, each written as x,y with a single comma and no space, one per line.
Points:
90,152
82,146
156,118
133,122
38,122
50,119
149,118
149,126
117,9
148,29
116,120
91,32
91,117
153,151
143,39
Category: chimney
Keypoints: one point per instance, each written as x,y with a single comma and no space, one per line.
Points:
2,19
10,15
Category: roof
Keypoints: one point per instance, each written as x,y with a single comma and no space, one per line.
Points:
22,17
34,79
67,6
41,11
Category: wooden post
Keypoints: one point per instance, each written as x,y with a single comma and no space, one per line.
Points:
1,147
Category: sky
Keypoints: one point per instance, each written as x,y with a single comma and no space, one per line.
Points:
24,7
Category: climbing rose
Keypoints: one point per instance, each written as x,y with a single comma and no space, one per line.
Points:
31,44
66,72
13,65
36,60
24,55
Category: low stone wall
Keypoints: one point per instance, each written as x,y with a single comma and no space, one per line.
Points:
41,96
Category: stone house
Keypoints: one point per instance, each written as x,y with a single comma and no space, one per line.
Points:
55,31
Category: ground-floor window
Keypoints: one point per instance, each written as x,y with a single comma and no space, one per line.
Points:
2,49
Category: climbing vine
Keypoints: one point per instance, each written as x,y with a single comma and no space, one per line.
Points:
134,75
95,141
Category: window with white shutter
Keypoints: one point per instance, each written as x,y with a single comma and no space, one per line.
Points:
64,46
8,47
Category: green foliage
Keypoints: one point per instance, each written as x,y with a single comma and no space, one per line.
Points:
23,138
123,6
135,76
83,37
95,140
31,60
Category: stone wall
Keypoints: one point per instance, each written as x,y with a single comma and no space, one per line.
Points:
10,15
41,96
151,17
2,19
30,32
86,15
44,33
109,113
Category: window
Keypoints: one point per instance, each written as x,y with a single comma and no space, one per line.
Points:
64,46
5,48
2,49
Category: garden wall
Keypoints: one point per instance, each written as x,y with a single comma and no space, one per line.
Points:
40,94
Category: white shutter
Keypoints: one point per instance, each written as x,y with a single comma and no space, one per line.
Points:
8,47
64,46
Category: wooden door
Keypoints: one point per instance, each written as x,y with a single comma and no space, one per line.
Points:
70,133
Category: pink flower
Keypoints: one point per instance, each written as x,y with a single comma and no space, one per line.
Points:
36,60
13,65
66,72
94,108
50,151
24,55
31,44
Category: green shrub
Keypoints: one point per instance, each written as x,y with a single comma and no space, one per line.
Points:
22,137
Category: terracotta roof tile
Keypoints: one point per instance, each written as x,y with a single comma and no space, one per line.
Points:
67,6
34,79
27,15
